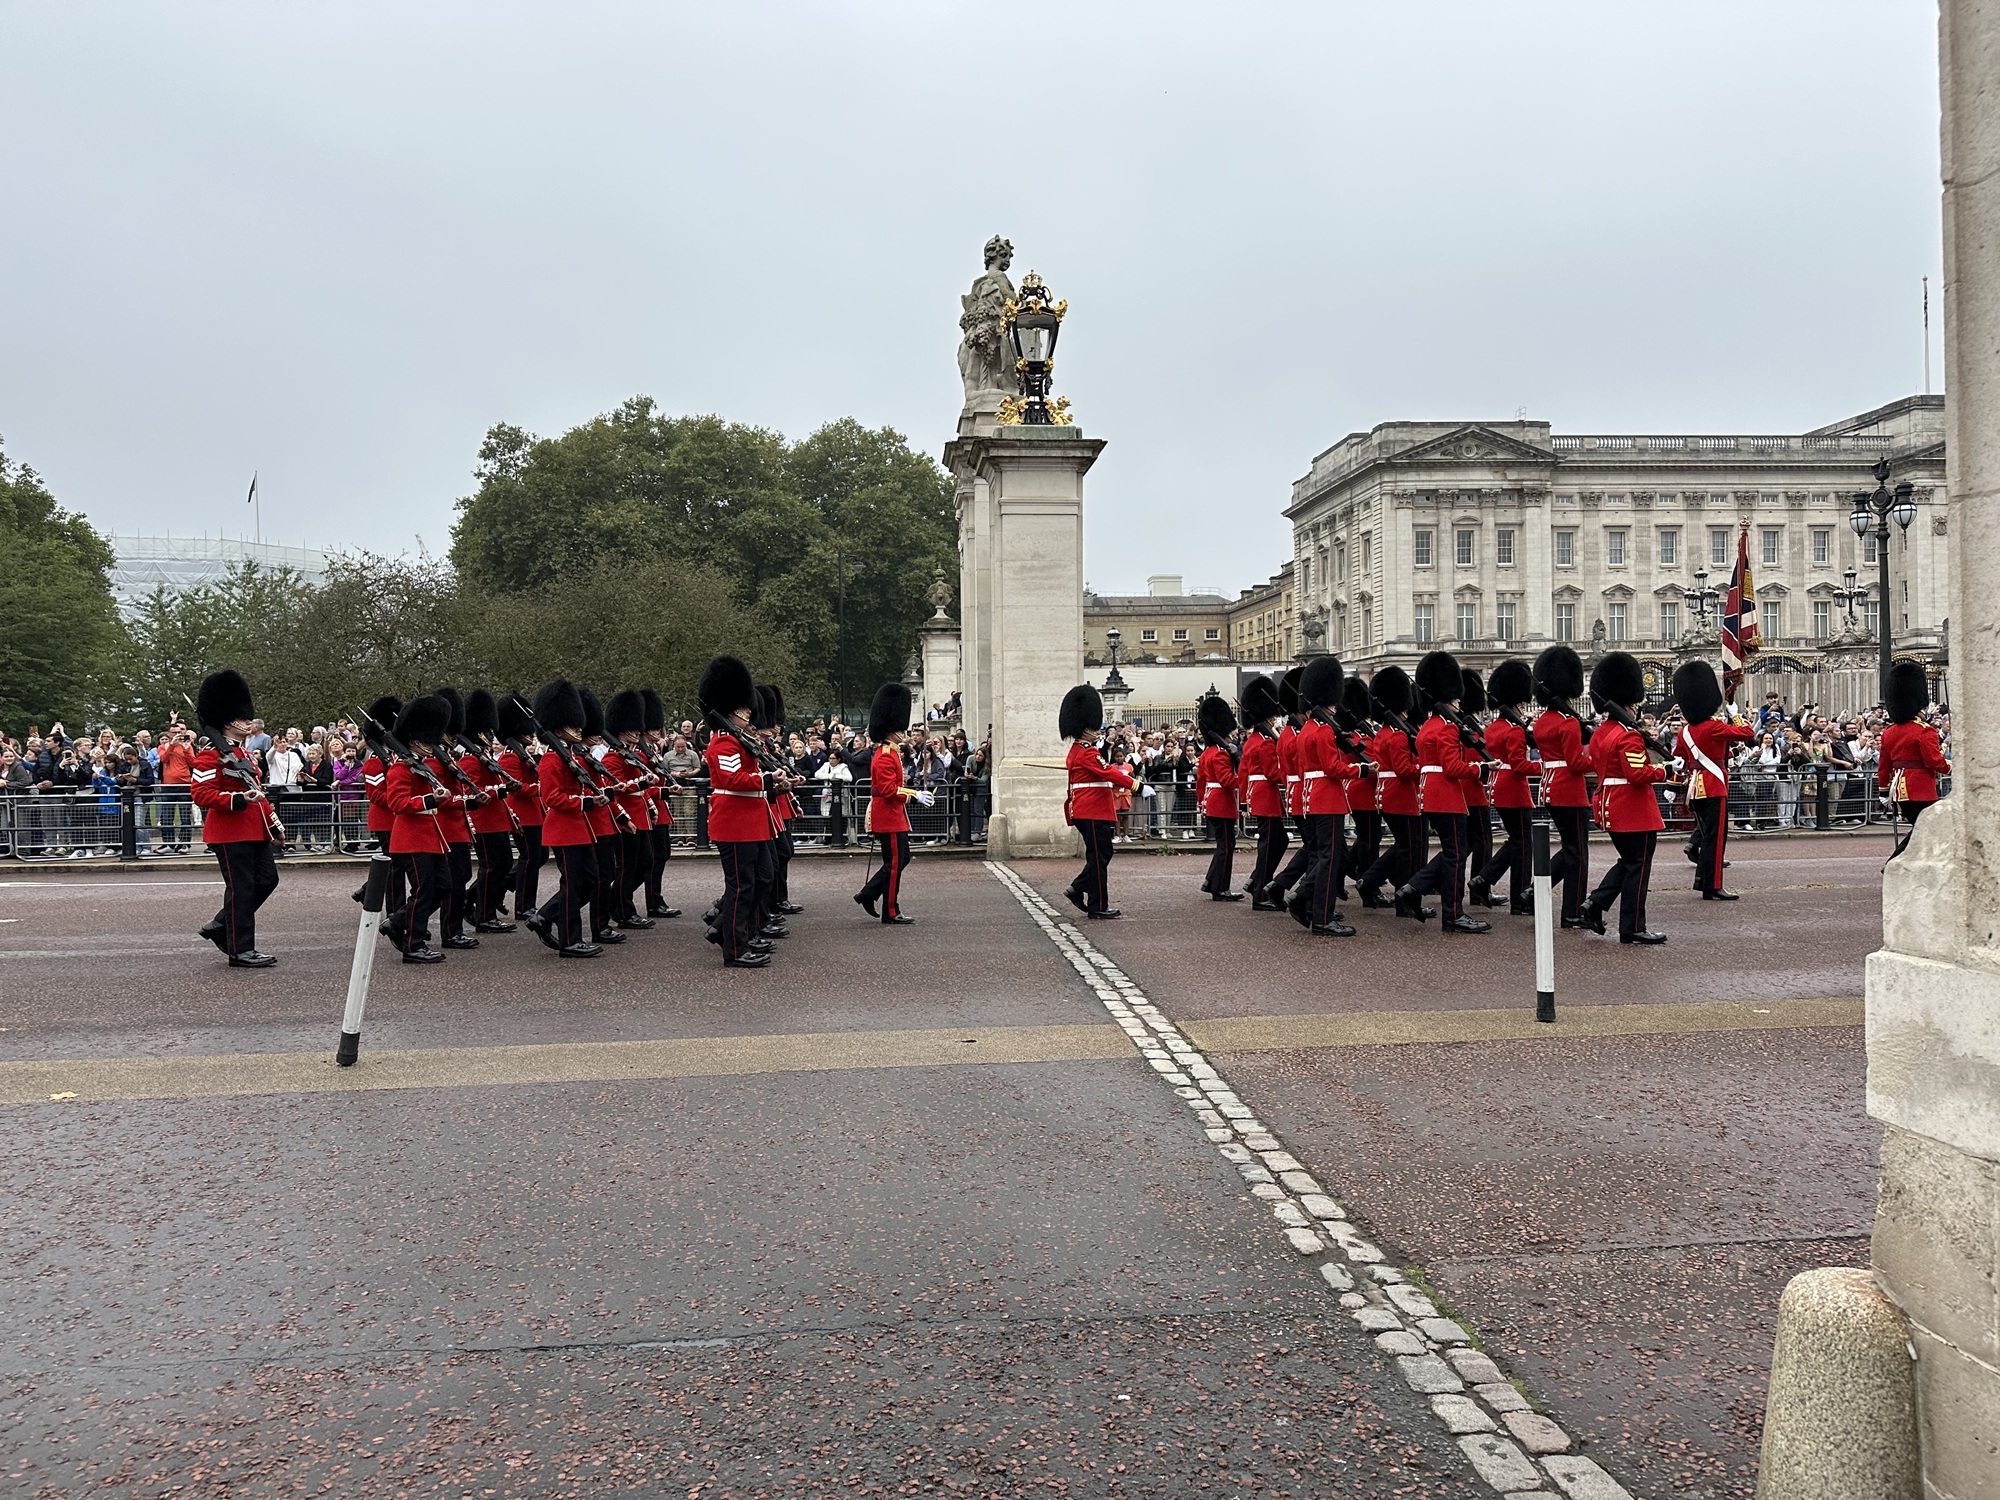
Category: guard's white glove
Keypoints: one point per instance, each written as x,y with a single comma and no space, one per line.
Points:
1146,789
924,799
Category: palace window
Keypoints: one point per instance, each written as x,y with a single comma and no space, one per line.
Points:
1463,541
1565,622
1769,537
1426,622
1565,549
1871,615
1367,553
1718,546
1503,546
1614,547
1614,620
1670,547
1211,634
1180,636
1868,549
1420,552
1149,636
1670,620
1367,628
1503,619
1822,619
1468,621
1340,563
1822,543
1773,611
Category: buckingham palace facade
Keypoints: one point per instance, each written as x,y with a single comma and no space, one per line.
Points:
1495,538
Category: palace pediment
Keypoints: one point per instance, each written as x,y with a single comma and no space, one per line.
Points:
1472,444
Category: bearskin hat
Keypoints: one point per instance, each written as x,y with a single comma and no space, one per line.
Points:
593,714
1511,684
559,705
625,713
1697,691
764,712
655,710
777,704
1260,700
424,720
222,699
1082,710
384,710
1319,682
456,704
517,717
725,687
1907,693
1558,676
1473,698
1354,704
1618,678
890,712
1288,690
1390,691
1215,717
482,714
1439,678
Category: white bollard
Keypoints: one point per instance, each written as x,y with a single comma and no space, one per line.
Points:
1545,923
364,961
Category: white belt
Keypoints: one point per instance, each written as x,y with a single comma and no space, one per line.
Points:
1211,786
723,791
1093,786
1430,770
1381,775
1501,765
1314,775
1260,778
1554,765
1604,781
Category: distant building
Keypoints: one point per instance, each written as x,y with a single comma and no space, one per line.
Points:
179,563
1162,624
1263,624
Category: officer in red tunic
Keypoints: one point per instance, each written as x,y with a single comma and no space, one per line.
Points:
424,805
375,782
1354,720
606,818
1262,783
1911,758
624,762
739,817
1559,738
520,757
1091,807
1509,690
1444,767
663,817
1478,809
569,796
888,799
493,819
457,824
1323,768
1393,749
237,823
1278,888
1703,747
1215,776
1626,807
770,721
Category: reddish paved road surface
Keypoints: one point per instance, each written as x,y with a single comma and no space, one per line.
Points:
1018,1279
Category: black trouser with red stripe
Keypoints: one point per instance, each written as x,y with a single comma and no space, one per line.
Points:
1321,882
608,903
1222,863
496,874
1093,880
1478,837
1445,873
1570,868
249,875
1295,867
1514,858
746,868
577,866
635,851
527,871
1711,831
458,876
662,839
1398,863
1367,846
1271,844
1627,880
430,874
886,884
781,876
1909,811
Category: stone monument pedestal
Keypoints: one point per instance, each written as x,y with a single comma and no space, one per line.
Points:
1021,591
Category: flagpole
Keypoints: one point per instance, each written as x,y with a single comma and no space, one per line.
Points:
1927,335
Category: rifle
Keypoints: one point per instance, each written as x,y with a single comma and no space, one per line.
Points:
378,735
238,764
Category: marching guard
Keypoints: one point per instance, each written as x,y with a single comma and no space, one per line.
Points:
1443,771
1278,887
422,802
456,821
1703,745
888,799
739,818
237,824
494,820
662,836
1478,806
1911,758
1363,802
1559,736
1621,755
568,800
520,758
1393,749
1323,767
1090,807
1263,784
1216,772
624,761
1509,690
381,821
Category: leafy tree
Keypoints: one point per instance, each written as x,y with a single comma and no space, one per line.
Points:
246,621
60,635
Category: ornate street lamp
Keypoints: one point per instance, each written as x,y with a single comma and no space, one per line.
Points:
1116,692
1702,597
1873,512
1850,596
1034,322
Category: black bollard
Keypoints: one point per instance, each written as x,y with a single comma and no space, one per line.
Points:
128,823
364,960
1545,922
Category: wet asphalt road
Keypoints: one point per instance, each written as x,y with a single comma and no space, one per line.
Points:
1035,1278
1615,1217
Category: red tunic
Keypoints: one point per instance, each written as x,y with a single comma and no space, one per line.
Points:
1559,737
375,781
527,803
1262,780
1910,764
739,810
1092,783
456,823
1443,768
603,822
492,818
1507,742
1216,777
1322,768
638,803
1625,777
886,810
227,816
1705,748
1396,771
420,813
563,820
1288,767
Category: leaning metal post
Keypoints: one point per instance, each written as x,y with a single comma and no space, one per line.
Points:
1545,923
364,961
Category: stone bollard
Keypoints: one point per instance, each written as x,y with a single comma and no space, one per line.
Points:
1840,1421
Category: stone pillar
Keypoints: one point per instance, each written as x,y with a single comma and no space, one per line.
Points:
938,640
1024,578
1934,988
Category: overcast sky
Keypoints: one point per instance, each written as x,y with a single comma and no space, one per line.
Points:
334,243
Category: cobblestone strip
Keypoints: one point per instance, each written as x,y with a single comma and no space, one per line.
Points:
1513,1449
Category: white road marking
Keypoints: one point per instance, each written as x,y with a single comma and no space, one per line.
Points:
137,884
1382,1302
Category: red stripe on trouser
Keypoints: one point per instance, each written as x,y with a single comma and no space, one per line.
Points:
1646,879
895,868
228,897
1721,832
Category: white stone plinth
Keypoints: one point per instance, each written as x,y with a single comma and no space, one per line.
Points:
938,637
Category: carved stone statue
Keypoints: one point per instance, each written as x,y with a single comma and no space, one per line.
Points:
985,363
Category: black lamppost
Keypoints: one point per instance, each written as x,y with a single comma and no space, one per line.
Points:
1702,597
1034,323
1873,511
1851,595
1116,690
